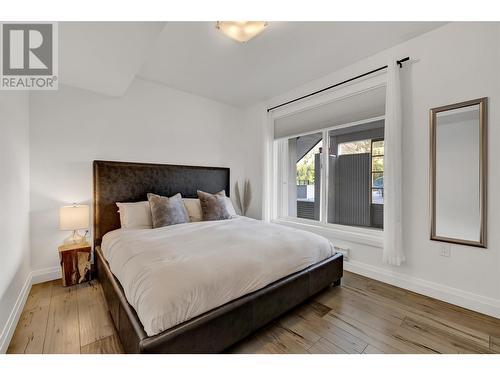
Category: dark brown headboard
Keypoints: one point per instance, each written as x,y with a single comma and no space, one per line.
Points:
130,182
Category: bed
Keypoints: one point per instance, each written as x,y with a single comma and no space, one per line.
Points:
209,320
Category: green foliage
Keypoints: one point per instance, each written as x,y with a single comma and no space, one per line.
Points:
305,169
355,147
305,166
378,148
377,164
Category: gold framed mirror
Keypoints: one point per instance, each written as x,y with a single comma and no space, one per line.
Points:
458,172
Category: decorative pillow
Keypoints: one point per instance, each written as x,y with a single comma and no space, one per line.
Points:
167,211
214,206
136,215
230,208
193,207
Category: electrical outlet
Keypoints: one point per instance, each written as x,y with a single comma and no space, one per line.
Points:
445,250
344,251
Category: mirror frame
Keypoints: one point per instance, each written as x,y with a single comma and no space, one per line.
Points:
482,102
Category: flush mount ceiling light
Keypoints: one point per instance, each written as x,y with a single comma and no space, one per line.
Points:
241,31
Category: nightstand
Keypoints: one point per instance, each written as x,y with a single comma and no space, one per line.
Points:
75,263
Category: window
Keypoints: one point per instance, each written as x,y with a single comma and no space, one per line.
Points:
353,190
304,176
377,152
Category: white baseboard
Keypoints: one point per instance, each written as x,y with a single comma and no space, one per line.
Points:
10,326
45,274
471,301
34,277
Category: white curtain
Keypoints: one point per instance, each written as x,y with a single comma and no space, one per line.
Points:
393,245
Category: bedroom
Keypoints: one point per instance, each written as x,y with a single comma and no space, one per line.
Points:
379,245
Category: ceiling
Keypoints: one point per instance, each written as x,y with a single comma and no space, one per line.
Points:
197,58
104,56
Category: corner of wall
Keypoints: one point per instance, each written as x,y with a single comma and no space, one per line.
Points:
14,198
14,316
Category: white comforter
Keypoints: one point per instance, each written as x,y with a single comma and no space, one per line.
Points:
175,273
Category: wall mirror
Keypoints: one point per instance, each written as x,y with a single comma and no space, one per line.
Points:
458,173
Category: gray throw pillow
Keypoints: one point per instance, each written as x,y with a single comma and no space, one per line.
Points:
213,206
167,211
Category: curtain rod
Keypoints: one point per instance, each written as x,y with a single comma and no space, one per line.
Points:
399,62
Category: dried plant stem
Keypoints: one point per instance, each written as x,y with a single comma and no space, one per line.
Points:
238,197
244,203
247,196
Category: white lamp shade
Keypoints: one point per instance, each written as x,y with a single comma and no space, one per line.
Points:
74,217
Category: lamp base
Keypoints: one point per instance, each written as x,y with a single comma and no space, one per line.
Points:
74,238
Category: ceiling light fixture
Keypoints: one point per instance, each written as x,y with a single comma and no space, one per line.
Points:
241,31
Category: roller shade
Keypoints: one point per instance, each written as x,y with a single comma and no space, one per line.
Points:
358,107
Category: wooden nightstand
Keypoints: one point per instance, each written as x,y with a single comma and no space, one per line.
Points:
75,263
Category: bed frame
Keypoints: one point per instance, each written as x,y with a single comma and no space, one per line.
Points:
217,329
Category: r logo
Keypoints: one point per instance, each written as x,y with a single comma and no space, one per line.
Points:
27,49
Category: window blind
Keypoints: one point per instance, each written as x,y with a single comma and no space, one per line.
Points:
358,107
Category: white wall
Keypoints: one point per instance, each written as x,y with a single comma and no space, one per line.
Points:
253,135
151,123
456,62
14,200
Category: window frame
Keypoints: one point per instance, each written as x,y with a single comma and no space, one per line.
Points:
366,235
372,172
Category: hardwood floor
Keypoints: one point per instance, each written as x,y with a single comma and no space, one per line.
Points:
59,319
361,316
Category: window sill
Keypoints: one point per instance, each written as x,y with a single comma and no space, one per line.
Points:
372,237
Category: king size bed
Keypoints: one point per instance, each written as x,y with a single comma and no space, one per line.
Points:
197,287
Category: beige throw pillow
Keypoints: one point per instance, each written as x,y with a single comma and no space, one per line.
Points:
193,207
135,215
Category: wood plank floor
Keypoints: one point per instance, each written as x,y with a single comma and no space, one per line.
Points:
361,316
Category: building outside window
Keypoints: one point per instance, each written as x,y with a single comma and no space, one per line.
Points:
355,177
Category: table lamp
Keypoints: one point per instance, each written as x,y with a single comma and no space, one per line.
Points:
73,218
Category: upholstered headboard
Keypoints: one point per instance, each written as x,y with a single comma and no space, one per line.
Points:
130,182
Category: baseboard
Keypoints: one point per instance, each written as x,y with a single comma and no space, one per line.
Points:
10,326
45,274
34,277
471,301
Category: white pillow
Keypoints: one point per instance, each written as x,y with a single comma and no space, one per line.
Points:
229,207
136,215
193,207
